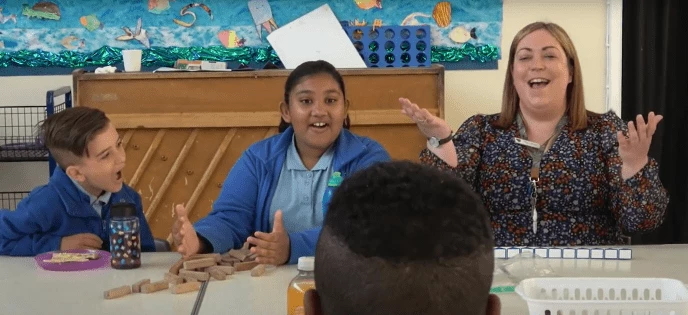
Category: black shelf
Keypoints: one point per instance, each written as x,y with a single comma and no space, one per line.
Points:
19,140
18,137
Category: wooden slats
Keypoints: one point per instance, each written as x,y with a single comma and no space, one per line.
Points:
190,205
126,138
210,170
147,158
173,171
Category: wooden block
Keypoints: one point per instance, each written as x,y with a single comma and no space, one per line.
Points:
172,278
227,264
258,271
245,246
117,292
228,270
200,276
136,287
229,259
176,267
251,257
217,257
155,286
243,266
240,254
200,263
217,274
185,287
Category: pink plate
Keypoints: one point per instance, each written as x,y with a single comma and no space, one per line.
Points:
102,261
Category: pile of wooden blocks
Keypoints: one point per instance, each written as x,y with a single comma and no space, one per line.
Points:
186,275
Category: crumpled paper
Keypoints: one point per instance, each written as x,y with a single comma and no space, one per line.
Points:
108,69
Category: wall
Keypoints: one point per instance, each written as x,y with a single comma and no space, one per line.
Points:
466,92
471,92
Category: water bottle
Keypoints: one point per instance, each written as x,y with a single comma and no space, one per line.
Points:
332,184
125,236
298,286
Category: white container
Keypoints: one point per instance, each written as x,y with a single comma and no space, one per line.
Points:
132,60
604,296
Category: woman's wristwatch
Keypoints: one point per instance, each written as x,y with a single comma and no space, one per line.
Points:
435,143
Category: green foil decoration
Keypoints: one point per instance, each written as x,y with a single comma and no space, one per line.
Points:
482,53
166,56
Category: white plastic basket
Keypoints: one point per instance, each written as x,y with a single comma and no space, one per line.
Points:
604,296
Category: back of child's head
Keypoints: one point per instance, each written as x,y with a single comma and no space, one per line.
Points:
404,238
67,133
307,69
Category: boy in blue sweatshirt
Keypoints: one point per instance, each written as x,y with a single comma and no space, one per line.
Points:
73,210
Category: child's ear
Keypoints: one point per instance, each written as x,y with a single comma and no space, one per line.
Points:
74,173
284,111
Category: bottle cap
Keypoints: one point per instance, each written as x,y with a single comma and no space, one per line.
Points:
123,209
335,180
306,263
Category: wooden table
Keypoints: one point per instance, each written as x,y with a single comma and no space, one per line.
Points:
26,289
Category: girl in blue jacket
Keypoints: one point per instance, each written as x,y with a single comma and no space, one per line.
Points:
272,197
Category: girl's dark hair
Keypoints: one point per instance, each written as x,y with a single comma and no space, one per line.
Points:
309,68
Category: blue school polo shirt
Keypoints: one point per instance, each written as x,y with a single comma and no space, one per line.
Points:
299,191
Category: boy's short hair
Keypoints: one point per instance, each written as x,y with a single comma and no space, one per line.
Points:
67,133
404,238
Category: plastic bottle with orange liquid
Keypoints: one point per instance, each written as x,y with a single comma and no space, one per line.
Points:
299,285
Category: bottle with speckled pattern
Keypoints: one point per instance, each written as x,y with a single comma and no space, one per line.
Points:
125,229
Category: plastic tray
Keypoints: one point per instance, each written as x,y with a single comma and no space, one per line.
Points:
609,296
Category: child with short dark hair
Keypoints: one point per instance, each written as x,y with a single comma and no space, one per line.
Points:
73,210
404,238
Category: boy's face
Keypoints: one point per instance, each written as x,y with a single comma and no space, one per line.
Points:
101,170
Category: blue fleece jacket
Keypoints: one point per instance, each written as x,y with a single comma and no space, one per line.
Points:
60,209
243,206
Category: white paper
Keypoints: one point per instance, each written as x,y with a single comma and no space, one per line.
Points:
168,69
318,35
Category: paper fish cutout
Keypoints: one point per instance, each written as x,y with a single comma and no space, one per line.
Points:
229,39
90,22
185,11
442,14
262,16
70,41
461,35
158,6
369,4
139,34
42,10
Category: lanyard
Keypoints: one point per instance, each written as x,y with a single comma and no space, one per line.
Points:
536,151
